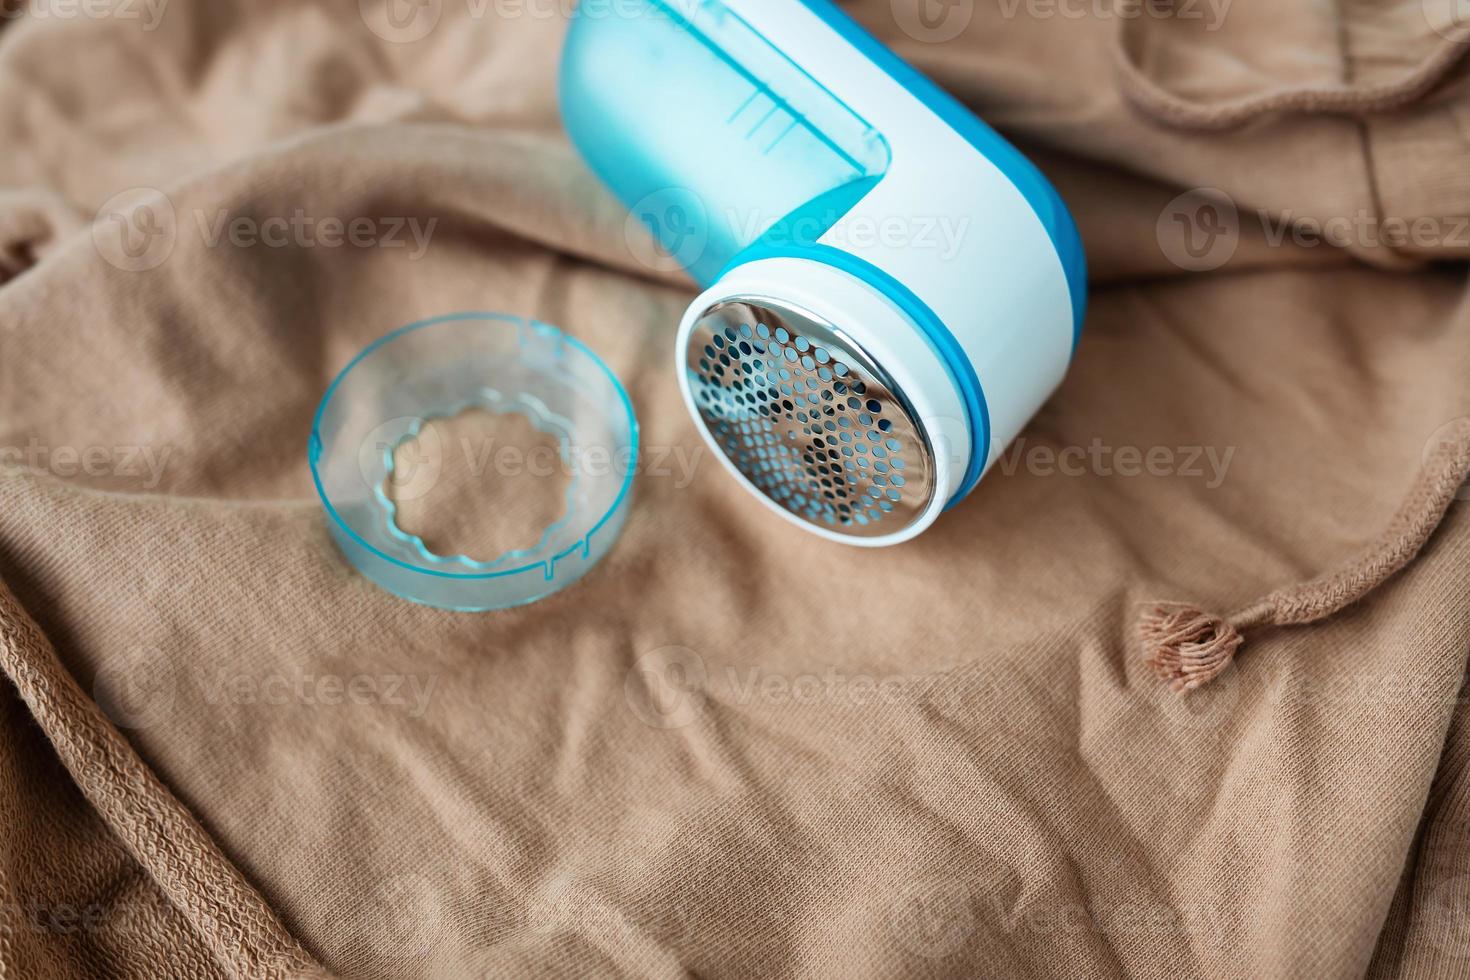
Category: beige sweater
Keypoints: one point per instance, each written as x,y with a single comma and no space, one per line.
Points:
731,750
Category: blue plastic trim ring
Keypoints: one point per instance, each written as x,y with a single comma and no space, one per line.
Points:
315,448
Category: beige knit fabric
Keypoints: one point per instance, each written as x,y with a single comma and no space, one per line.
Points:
1188,647
732,750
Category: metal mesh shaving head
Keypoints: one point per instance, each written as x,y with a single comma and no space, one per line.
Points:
809,418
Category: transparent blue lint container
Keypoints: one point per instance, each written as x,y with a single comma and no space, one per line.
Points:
437,369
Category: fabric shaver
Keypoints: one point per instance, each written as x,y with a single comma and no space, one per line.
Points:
891,290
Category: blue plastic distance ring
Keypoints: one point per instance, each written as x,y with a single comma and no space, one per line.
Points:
435,369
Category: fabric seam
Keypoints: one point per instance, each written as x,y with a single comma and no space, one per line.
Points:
210,894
